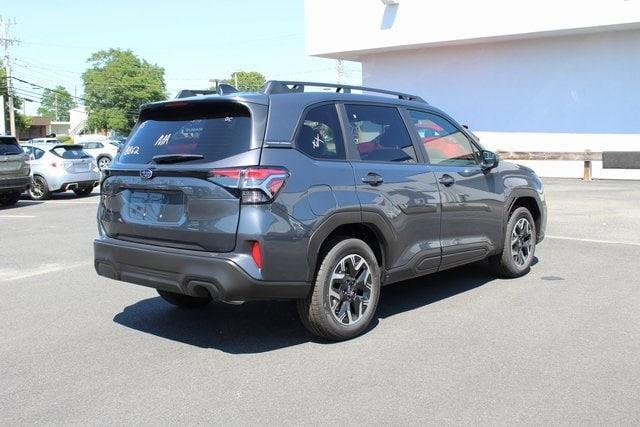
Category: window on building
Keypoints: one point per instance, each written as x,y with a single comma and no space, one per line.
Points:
320,136
444,143
380,134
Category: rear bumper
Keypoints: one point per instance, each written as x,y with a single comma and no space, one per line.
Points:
78,184
70,181
12,185
186,273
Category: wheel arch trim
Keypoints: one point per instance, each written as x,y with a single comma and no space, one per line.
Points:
372,220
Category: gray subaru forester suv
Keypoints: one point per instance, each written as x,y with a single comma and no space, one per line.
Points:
15,173
321,197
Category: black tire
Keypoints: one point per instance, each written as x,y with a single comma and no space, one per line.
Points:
185,301
505,264
316,311
9,199
39,189
81,192
103,162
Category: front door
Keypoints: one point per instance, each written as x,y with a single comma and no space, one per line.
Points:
472,199
392,184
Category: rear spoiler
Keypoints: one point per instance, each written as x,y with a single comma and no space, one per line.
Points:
223,89
68,146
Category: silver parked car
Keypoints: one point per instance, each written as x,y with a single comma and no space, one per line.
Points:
43,141
102,151
62,167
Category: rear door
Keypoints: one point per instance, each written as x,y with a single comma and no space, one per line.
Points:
472,199
12,159
392,183
160,190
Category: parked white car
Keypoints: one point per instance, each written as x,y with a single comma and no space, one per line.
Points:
102,151
58,168
43,141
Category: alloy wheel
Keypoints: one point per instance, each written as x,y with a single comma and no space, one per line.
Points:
521,242
37,188
350,289
103,163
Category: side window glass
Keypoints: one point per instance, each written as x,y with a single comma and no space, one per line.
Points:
320,136
444,143
380,134
38,153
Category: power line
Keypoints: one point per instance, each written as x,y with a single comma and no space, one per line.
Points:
84,100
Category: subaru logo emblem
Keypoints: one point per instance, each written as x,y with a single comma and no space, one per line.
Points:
146,174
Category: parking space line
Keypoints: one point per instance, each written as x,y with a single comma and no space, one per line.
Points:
17,216
7,276
605,242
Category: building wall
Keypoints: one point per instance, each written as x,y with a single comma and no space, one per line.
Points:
346,28
563,93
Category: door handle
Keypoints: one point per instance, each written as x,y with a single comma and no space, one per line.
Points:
446,180
372,179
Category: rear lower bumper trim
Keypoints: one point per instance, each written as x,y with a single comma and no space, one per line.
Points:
187,274
21,184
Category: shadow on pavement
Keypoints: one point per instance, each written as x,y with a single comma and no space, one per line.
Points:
20,204
67,195
261,326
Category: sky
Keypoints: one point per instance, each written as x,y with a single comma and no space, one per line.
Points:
193,40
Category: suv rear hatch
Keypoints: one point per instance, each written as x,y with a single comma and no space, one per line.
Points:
74,158
12,159
161,190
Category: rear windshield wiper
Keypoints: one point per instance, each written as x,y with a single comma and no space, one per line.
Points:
176,158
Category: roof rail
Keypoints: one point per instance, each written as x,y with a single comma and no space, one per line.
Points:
281,86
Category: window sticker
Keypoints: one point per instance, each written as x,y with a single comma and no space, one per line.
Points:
131,150
162,140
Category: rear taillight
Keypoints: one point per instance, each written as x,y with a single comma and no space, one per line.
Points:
256,184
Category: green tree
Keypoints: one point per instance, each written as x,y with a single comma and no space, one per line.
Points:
246,81
56,103
115,86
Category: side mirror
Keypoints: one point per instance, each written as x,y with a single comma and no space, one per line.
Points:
489,160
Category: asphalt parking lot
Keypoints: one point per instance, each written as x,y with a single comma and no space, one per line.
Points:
558,346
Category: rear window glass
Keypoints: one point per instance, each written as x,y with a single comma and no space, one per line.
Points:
69,152
212,131
8,147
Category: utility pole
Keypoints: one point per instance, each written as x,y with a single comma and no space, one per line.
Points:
339,71
7,41
235,77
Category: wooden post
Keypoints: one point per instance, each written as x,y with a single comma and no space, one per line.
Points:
586,173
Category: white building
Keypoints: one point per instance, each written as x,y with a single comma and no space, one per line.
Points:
525,75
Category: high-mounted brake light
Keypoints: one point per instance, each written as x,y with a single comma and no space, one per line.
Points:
257,184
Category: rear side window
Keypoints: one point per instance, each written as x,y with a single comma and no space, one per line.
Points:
320,136
380,134
9,147
37,153
69,152
213,131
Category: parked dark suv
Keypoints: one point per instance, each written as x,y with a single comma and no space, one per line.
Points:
322,197
14,171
